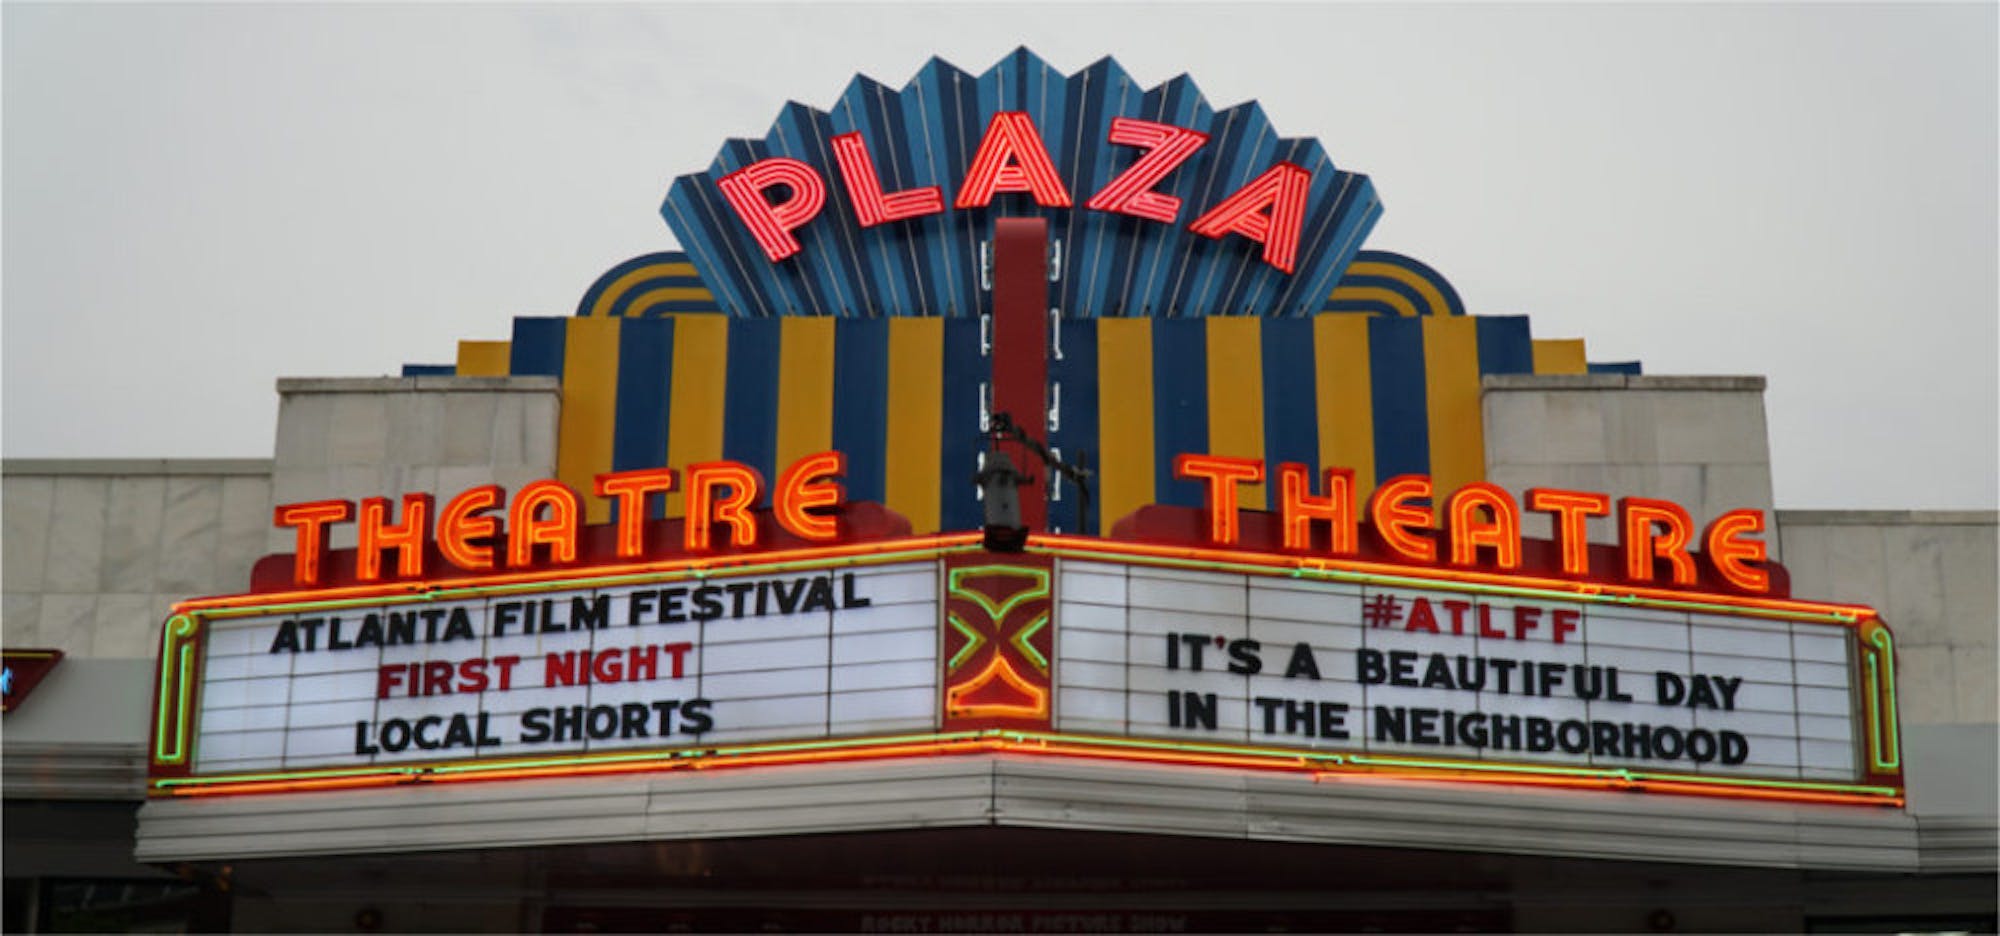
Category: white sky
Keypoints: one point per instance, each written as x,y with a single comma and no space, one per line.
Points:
200,199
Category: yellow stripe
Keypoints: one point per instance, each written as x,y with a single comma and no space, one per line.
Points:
589,408
484,358
1451,386
609,297
1395,300
694,404
805,389
1408,277
1124,417
652,297
1236,395
910,481
1560,356
1345,398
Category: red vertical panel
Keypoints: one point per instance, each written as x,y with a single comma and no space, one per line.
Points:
1020,346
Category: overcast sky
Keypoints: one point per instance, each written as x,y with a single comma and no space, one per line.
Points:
200,199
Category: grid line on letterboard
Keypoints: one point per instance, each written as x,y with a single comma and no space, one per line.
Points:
1055,642
826,698
1798,724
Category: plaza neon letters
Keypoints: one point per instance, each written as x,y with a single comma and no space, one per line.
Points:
1012,158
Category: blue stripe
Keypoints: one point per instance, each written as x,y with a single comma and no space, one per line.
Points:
1504,344
1362,307
964,370
1407,291
1453,304
1630,368
1097,94
1076,434
884,289
1291,408
750,398
1358,208
945,111
537,347
687,207
430,370
645,377
1253,149
1396,380
861,403
1180,404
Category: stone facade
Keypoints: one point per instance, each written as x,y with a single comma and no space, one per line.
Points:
1697,441
96,551
384,437
1931,575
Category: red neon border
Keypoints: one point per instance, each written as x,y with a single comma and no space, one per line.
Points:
1848,615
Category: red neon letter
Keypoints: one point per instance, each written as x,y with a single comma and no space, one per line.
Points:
459,525
1282,191
1297,508
1571,509
1011,159
312,519
1730,553
1223,473
864,186
1394,516
705,509
525,530
772,225
1469,531
630,488
1642,544
1167,146
407,539
802,488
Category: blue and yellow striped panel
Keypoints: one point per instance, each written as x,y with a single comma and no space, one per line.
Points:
1383,396
901,397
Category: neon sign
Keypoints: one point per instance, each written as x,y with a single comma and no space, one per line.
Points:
544,522
481,532
1268,210
1081,647
1479,526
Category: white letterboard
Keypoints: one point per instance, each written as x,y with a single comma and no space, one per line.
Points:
1280,662
691,663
